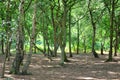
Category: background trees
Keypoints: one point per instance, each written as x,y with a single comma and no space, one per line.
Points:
58,26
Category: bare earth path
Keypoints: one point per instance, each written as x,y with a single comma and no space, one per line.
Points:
80,67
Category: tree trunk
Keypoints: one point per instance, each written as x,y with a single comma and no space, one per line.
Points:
2,36
116,39
8,45
94,30
78,32
93,42
55,32
70,52
32,41
102,47
115,49
63,33
34,46
62,55
8,30
44,43
84,40
3,66
55,41
15,69
110,58
2,44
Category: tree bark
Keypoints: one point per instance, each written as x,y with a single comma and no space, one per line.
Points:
2,43
32,41
8,31
110,58
116,44
70,52
3,66
8,41
55,31
15,69
102,48
63,34
84,40
78,35
94,30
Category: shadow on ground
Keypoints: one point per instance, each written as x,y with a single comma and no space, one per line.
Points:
80,67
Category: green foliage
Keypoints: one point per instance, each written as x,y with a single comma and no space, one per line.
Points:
79,13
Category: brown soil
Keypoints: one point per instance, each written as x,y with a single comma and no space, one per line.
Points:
80,67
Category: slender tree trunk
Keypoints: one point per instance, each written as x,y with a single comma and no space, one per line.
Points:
3,66
15,69
93,42
102,47
8,30
49,51
44,36
70,52
32,41
55,41
44,43
94,30
2,44
84,42
78,32
110,58
63,34
34,46
55,32
62,55
2,36
8,45
116,39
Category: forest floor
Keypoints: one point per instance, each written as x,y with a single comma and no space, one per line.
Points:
80,67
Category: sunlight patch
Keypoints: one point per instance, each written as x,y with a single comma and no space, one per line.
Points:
86,78
112,73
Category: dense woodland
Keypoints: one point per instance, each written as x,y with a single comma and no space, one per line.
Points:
57,28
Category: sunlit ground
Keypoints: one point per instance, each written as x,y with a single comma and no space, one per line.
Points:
80,67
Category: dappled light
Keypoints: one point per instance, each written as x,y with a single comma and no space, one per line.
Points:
76,69
59,39
86,78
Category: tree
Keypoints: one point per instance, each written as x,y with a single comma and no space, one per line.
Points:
8,30
111,11
55,12
93,22
70,52
32,40
15,69
94,30
8,35
78,36
2,43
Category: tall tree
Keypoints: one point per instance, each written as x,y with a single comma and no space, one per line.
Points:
111,11
70,52
32,40
62,40
94,30
55,19
15,69
7,29
78,37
